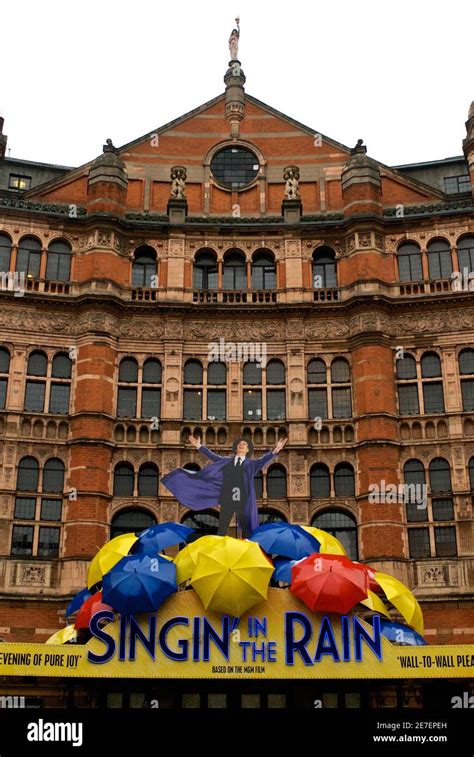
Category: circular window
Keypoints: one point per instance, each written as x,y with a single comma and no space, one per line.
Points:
235,167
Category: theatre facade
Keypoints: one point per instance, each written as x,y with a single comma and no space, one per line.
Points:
235,272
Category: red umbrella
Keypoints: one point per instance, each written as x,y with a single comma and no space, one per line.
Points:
89,608
373,585
329,583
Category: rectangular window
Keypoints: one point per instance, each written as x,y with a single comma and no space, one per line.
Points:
276,404
151,403
19,182
433,397
456,184
25,508
3,393
408,399
48,544
445,541
318,403
341,403
50,509
22,541
253,405
192,404
216,402
416,514
467,388
419,543
127,402
443,509
34,396
59,399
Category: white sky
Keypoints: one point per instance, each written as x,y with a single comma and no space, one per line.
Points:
398,74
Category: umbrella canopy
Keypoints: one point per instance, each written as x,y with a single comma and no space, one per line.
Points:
373,602
64,634
186,560
77,601
285,539
402,598
398,633
90,607
283,568
233,577
155,539
329,583
139,583
328,543
108,556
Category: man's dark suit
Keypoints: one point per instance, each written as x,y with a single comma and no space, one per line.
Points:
233,498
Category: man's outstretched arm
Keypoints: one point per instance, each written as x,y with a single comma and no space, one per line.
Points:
196,442
261,462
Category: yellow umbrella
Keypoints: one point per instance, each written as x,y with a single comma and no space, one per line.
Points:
373,602
108,556
64,634
233,577
402,598
186,559
329,544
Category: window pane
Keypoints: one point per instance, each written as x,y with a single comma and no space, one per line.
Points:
344,481
128,370
48,543
275,372
123,480
316,372
252,373
341,403
276,483
61,367
3,393
419,542
193,372
5,252
275,404
131,522
25,508
320,481
22,541
5,361
414,472
440,476
466,361
252,405
406,367
148,481
216,373
216,402
467,388
34,396
53,476
443,509
234,274
50,509
416,514
430,365
340,371
151,403
318,403
408,399
445,541
58,266
192,404
127,403
37,364
152,372
433,397
28,473
342,526
59,398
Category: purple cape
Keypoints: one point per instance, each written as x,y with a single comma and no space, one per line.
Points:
199,490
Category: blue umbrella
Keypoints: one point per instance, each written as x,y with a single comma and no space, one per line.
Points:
156,538
283,568
398,633
77,601
285,539
139,583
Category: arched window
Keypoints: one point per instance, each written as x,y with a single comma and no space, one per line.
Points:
216,373
29,257
320,480
131,522
5,252
144,267
128,388
439,259
409,262
60,390
408,401
440,475
123,480
276,482
276,398
152,371
466,254
324,268
275,372
344,485
441,508
234,272
193,377
150,390
415,495
269,515
252,376
4,371
432,390
317,398
252,373
263,270
205,522
35,390
148,480
216,398
28,475
205,270
341,525
62,366
466,368
53,475
340,388
58,264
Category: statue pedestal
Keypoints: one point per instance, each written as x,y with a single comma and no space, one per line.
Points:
177,210
291,211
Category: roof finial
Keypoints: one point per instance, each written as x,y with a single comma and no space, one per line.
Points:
234,41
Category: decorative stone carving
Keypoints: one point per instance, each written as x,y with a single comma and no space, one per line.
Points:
435,574
28,575
365,239
234,41
291,174
178,183
299,513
